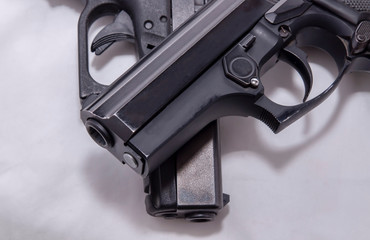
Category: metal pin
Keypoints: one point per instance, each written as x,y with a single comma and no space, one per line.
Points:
130,160
284,31
255,82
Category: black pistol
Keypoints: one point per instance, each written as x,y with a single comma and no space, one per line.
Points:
160,116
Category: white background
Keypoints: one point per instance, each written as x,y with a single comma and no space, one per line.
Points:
312,181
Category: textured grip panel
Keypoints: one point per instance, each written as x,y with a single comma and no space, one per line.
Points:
359,5
364,29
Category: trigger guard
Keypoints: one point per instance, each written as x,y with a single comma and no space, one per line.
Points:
321,31
92,11
278,117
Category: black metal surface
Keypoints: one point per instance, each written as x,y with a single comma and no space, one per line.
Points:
340,10
144,117
135,98
286,10
211,67
226,98
116,108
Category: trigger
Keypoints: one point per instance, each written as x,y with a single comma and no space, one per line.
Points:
121,29
297,58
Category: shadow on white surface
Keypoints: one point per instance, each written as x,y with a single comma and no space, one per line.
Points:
76,5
